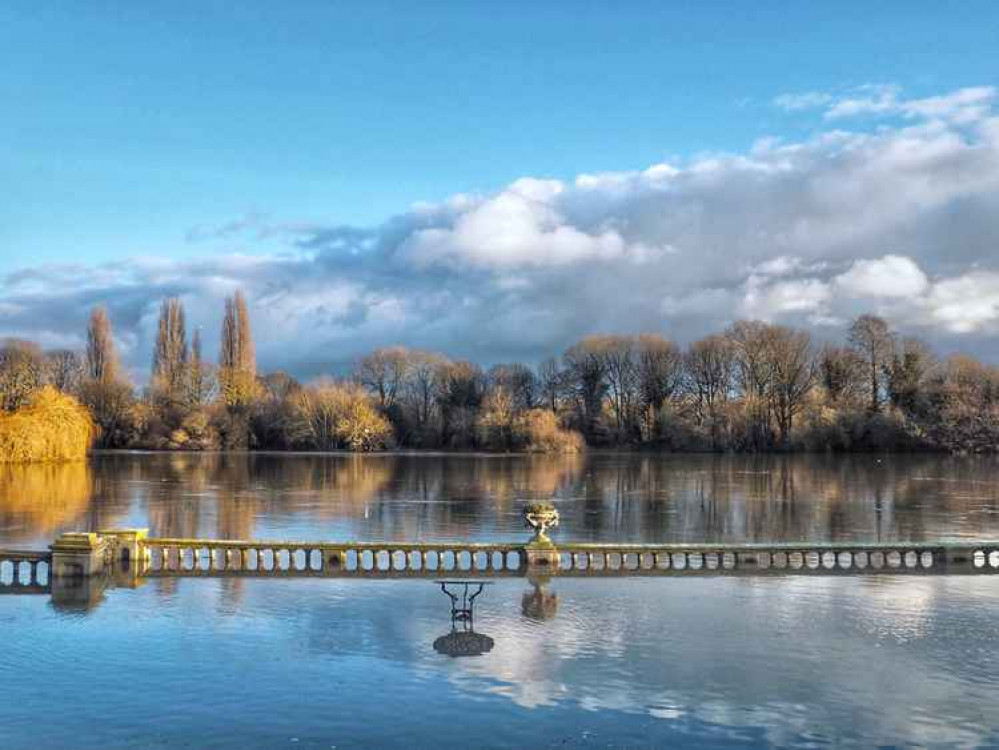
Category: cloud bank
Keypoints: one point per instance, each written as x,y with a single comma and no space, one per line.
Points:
898,217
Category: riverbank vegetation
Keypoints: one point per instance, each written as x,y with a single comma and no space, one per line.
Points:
753,387
48,426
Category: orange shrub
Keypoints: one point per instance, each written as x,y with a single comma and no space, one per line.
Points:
52,427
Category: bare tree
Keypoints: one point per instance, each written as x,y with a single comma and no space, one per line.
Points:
171,376
551,383
102,358
710,365
496,420
621,368
64,369
279,386
586,380
841,373
383,372
419,395
460,389
660,370
871,337
792,368
751,344
22,372
330,415
519,381
200,381
910,366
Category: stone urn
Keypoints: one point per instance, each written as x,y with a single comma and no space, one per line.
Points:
541,517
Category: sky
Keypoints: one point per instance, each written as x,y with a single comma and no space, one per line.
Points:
495,180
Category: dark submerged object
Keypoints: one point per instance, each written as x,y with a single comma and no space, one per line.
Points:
463,640
463,643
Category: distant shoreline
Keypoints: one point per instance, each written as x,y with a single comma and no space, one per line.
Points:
436,452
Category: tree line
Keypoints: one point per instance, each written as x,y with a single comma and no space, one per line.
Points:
753,387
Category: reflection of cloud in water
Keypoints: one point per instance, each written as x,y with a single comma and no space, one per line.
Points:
884,657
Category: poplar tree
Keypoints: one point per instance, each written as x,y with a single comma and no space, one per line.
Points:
199,377
104,390
170,354
237,359
102,360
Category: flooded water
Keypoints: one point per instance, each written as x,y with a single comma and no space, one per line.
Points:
601,497
635,662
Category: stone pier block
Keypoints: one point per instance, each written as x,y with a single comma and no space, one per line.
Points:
130,551
542,556
77,554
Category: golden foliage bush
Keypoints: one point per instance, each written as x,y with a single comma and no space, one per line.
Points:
51,427
538,431
331,415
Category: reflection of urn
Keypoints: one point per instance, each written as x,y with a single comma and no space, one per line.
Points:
541,517
539,603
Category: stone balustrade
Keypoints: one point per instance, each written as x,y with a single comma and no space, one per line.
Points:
24,571
133,554
821,558
201,557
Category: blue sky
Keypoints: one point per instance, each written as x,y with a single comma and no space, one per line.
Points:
126,124
201,133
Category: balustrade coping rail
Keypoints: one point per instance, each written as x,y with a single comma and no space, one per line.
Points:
25,555
334,546
845,546
826,546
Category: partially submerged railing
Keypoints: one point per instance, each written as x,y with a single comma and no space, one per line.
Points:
206,557
131,555
24,571
212,557
825,557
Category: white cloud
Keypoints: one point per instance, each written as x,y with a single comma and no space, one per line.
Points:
768,301
872,100
967,303
960,107
519,227
901,221
889,276
806,100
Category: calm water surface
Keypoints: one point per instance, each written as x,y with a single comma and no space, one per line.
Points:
673,662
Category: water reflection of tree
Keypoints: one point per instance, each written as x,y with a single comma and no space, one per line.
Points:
774,497
39,501
612,496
